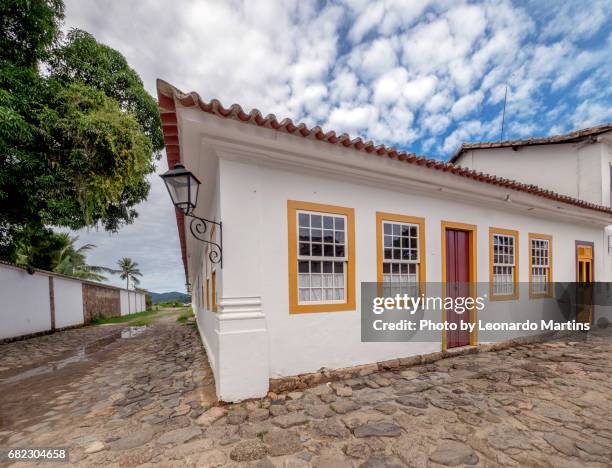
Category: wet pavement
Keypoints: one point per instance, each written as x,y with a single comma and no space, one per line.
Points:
78,386
148,400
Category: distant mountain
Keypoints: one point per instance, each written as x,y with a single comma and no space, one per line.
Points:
169,296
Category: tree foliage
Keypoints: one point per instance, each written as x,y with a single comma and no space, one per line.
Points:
78,131
128,270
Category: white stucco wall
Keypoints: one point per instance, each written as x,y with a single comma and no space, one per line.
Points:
24,302
249,174
123,299
68,302
131,302
576,169
302,343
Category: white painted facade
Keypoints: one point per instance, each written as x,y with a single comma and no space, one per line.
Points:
581,170
249,173
25,301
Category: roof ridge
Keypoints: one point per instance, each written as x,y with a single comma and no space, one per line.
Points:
236,112
547,140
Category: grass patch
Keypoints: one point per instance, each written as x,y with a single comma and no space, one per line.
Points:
185,315
143,316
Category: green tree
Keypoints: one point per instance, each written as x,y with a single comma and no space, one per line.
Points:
128,270
72,261
77,140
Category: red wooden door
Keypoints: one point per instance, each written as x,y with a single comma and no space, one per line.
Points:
457,283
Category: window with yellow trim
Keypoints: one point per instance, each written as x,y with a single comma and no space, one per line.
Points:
321,256
540,265
503,263
400,253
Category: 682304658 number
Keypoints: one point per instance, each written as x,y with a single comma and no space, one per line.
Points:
34,454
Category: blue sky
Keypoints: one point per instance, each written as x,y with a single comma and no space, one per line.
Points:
423,76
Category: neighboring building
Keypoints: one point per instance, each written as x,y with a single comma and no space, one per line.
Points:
307,217
577,164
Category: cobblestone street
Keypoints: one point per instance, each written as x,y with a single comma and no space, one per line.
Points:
149,400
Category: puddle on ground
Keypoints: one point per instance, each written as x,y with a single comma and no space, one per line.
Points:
81,354
131,332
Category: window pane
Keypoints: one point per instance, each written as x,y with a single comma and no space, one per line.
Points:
328,222
339,280
388,254
328,236
340,237
327,267
304,248
304,219
303,267
339,224
396,229
304,280
328,250
316,235
338,267
315,221
315,267
339,251
304,234
387,229
304,295
316,250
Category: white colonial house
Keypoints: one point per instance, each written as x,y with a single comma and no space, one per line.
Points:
305,217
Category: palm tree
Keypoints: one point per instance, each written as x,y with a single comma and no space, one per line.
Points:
72,261
128,270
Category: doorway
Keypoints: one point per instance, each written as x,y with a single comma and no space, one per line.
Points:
584,282
459,278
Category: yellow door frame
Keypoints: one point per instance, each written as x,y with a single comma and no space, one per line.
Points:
472,230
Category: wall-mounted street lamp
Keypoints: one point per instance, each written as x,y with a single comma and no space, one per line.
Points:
183,188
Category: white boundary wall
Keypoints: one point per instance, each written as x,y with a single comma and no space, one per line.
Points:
26,307
24,303
68,302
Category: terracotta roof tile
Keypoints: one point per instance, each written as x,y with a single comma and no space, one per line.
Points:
168,95
577,135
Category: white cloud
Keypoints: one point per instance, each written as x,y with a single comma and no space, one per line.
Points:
418,90
421,75
389,87
352,120
466,104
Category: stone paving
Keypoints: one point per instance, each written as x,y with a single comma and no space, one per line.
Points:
148,403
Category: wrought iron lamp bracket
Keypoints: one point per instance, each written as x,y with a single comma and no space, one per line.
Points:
199,227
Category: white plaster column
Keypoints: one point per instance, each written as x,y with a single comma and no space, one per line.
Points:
243,361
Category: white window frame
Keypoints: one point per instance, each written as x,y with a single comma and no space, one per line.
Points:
322,258
504,280
536,280
397,284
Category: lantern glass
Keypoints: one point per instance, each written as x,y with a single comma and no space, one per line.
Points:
183,187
